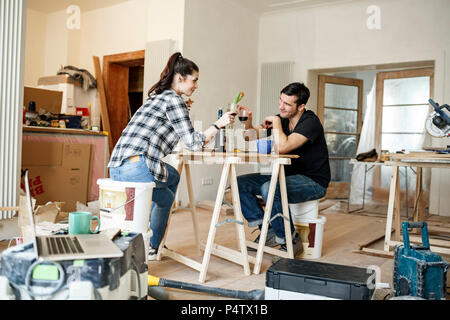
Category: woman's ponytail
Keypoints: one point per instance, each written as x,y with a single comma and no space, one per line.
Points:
176,65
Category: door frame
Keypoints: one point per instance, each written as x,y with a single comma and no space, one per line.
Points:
116,68
379,193
338,190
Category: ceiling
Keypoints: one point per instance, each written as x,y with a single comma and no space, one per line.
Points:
266,6
48,6
260,6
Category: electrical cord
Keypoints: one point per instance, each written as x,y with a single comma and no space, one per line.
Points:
28,276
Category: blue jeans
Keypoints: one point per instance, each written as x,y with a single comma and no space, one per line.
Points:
299,189
163,193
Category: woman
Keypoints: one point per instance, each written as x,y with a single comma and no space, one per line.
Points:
153,133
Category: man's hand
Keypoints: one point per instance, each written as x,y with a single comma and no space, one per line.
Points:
271,122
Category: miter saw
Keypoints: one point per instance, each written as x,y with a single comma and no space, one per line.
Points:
438,122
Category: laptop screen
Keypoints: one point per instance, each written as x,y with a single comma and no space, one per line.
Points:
30,212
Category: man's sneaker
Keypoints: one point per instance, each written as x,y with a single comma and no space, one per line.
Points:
270,240
297,245
152,253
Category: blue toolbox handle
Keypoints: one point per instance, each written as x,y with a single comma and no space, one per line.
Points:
423,226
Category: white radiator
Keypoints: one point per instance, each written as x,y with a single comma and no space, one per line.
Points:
12,44
274,77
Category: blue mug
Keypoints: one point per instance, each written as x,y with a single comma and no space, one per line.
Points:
264,146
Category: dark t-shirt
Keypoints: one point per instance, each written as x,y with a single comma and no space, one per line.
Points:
313,161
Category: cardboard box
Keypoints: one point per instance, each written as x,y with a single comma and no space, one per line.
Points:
58,172
73,95
49,100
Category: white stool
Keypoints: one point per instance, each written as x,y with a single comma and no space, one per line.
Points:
114,196
304,210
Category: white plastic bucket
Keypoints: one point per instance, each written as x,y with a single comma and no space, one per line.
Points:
304,210
125,205
311,235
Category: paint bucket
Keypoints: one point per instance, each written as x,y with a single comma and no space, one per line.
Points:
311,235
127,206
304,210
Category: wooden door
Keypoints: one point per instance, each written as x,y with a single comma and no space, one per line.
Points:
116,69
340,111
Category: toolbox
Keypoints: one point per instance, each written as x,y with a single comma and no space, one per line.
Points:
290,279
417,270
22,277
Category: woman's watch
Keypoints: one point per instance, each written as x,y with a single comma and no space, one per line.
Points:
215,126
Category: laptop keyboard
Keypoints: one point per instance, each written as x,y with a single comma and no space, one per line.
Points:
63,245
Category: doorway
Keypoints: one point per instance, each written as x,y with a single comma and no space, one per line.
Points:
123,76
339,108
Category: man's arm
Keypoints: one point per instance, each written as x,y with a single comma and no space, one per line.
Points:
284,144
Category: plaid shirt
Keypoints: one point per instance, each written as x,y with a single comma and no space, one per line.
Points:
155,130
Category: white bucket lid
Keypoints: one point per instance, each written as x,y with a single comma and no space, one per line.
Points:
104,183
320,219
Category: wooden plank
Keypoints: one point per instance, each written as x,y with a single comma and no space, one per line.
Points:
163,240
286,214
432,248
397,211
390,213
269,250
239,217
187,171
214,219
267,212
103,103
375,252
182,259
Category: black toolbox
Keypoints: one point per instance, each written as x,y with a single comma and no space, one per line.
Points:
289,279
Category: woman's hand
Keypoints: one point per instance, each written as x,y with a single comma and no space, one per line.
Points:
226,119
249,123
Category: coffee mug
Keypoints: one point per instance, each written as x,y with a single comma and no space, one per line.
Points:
80,223
264,146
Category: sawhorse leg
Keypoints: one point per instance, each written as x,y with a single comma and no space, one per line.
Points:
181,164
277,174
392,203
228,170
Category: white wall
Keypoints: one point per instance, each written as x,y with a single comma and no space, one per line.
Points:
35,50
123,27
337,36
222,38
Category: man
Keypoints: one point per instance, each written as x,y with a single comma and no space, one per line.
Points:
298,131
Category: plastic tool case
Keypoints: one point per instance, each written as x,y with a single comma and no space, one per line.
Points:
107,278
309,280
417,270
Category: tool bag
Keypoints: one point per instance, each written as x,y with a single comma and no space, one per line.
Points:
417,270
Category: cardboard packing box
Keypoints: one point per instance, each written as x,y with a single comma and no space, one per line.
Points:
58,172
73,94
48,100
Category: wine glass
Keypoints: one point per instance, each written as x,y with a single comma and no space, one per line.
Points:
243,116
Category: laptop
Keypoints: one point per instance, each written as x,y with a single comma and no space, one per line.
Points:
69,247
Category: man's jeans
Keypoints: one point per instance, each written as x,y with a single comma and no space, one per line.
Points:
299,189
163,193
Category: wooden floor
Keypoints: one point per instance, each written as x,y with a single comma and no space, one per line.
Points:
343,233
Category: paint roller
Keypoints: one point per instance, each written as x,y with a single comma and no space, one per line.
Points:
155,282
